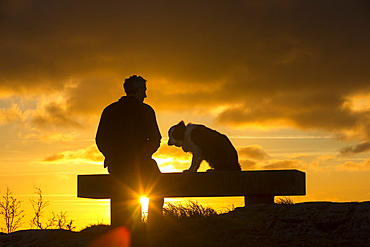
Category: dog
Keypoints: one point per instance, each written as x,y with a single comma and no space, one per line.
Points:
205,144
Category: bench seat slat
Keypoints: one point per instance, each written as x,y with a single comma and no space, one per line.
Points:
207,184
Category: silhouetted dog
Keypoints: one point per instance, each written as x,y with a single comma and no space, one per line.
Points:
205,144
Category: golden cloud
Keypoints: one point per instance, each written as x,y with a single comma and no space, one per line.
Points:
254,152
353,166
89,154
247,164
13,114
297,155
175,153
284,164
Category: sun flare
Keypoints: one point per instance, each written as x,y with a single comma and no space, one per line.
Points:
144,201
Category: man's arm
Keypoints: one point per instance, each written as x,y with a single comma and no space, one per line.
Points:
153,133
102,134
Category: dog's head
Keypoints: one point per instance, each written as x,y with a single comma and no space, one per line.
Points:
176,134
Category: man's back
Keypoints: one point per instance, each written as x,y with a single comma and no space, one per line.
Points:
127,128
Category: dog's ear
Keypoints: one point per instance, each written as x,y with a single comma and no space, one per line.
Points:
181,123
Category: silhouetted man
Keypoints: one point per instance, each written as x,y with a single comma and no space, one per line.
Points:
127,136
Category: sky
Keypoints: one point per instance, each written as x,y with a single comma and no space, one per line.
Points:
287,81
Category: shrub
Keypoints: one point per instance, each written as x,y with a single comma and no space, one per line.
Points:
38,208
12,214
57,221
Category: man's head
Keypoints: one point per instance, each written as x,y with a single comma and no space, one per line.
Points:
135,86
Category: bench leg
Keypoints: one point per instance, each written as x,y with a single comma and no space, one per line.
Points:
124,211
155,210
258,199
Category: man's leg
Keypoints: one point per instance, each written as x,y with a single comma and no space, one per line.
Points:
125,207
125,211
151,176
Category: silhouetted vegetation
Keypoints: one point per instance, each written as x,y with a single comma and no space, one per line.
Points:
190,210
284,200
56,221
10,208
38,206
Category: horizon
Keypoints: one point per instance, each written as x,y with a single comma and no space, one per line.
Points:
288,83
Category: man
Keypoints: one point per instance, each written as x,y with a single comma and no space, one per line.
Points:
127,136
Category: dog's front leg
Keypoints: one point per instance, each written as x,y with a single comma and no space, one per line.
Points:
195,162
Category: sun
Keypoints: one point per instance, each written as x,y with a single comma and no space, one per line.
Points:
144,201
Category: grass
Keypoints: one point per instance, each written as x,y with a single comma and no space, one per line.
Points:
284,201
188,211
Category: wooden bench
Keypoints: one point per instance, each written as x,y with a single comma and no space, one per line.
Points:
257,187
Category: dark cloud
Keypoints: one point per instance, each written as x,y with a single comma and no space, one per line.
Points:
356,149
55,115
272,63
316,111
188,41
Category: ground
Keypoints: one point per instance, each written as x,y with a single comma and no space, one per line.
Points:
303,224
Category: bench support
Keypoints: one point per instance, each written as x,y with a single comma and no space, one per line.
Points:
258,199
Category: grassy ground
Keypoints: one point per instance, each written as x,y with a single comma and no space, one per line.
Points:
304,224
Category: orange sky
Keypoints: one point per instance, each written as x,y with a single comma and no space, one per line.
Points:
287,81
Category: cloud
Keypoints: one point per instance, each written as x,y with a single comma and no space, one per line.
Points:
49,136
175,153
12,114
248,164
45,118
326,157
353,166
54,157
173,166
254,152
56,115
292,64
89,154
315,111
297,155
284,164
362,147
